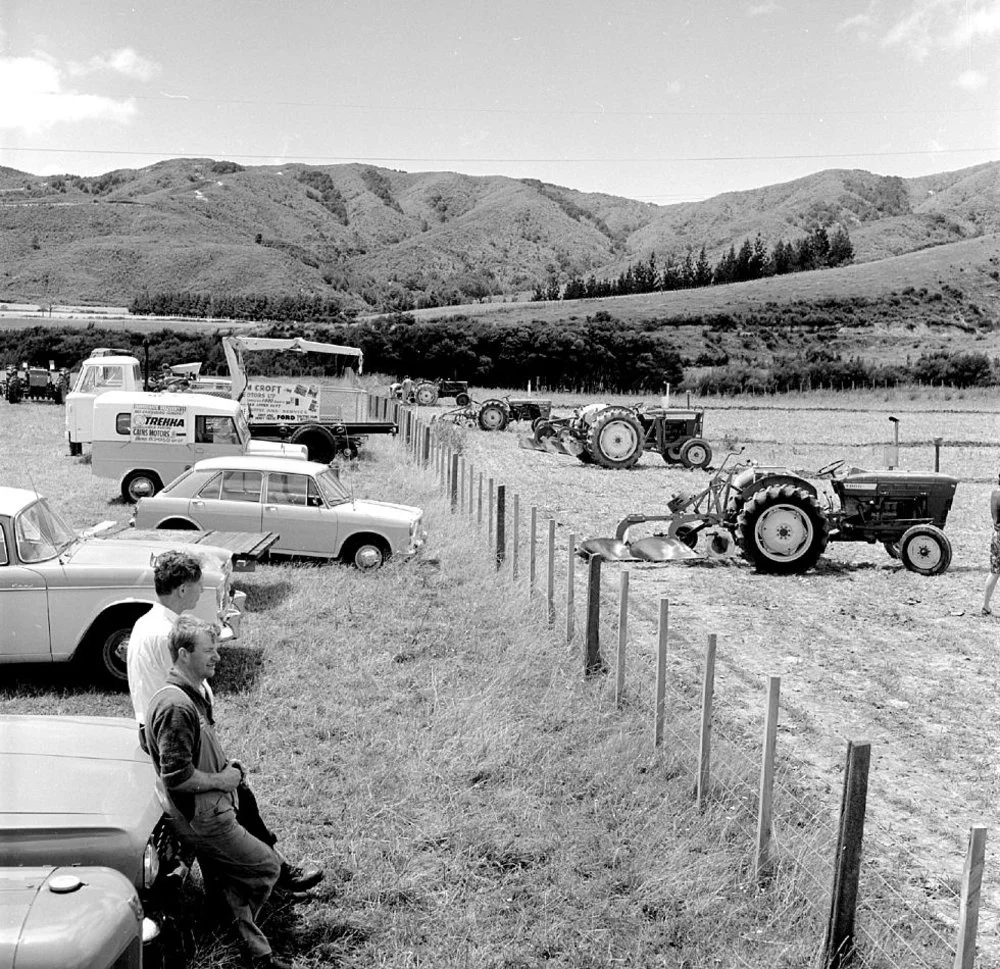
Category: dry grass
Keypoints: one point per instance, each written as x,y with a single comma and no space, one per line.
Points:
479,803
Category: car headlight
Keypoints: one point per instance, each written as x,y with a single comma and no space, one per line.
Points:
150,865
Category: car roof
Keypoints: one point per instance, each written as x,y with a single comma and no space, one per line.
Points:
12,500
257,462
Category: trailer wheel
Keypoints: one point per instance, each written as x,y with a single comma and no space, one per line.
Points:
615,438
140,484
426,394
696,453
925,549
493,415
782,530
319,443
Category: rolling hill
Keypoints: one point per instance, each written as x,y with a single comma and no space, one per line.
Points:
370,235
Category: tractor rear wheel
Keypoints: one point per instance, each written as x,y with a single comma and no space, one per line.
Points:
925,549
426,394
493,415
615,438
696,453
782,530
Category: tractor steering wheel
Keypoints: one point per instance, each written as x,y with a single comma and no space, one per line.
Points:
832,466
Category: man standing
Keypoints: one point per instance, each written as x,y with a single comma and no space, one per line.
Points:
991,582
177,581
201,787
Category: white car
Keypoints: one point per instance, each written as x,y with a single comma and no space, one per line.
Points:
305,503
64,595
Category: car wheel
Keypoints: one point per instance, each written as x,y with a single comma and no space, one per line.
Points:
106,656
140,484
368,555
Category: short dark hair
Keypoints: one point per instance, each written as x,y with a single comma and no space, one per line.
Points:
173,569
185,633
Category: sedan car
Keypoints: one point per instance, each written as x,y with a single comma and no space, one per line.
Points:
67,596
79,791
304,502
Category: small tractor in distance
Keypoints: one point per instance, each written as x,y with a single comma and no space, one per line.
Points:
36,383
426,392
495,413
781,521
615,436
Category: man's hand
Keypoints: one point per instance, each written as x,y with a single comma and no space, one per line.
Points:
230,777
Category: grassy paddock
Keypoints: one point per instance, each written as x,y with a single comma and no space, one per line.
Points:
423,735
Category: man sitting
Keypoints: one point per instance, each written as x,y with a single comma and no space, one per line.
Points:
178,583
201,788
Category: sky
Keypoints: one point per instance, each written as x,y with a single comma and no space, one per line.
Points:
658,100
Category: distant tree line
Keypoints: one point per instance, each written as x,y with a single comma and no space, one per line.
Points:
293,309
821,369
819,249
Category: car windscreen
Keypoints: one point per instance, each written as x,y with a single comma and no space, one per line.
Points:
332,490
40,533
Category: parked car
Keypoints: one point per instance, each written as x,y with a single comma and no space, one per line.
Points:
79,791
67,596
90,918
304,502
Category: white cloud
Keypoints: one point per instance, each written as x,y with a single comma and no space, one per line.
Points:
42,102
127,62
971,80
930,25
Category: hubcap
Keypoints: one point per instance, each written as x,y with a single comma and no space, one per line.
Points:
925,552
618,441
696,455
783,532
141,488
368,557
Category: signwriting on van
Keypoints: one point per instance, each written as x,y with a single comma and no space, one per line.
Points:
158,423
273,402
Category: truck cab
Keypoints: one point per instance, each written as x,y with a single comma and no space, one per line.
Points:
99,374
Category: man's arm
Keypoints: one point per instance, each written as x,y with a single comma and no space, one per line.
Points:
175,729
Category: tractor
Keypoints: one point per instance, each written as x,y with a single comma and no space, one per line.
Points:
495,413
782,519
615,436
426,392
36,383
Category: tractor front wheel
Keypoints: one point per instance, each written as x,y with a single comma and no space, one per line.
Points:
925,549
493,415
696,453
782,530
615,438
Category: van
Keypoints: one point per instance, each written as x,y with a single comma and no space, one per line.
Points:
145,440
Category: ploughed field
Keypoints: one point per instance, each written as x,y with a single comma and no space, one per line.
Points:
865,649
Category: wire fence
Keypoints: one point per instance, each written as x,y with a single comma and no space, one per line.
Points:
906,917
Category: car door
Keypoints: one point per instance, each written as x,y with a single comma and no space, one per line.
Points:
229,502
24,607
294,509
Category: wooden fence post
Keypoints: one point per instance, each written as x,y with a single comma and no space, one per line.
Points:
472,488
766,798
489,515
515,537
501,524
550,585
839,947
454,483
968,913
479,502
570,588
622,636
427,446
661,673
532,535
705,744
593,663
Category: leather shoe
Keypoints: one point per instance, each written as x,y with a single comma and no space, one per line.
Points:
296,879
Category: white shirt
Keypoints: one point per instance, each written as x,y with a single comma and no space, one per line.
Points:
148,659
